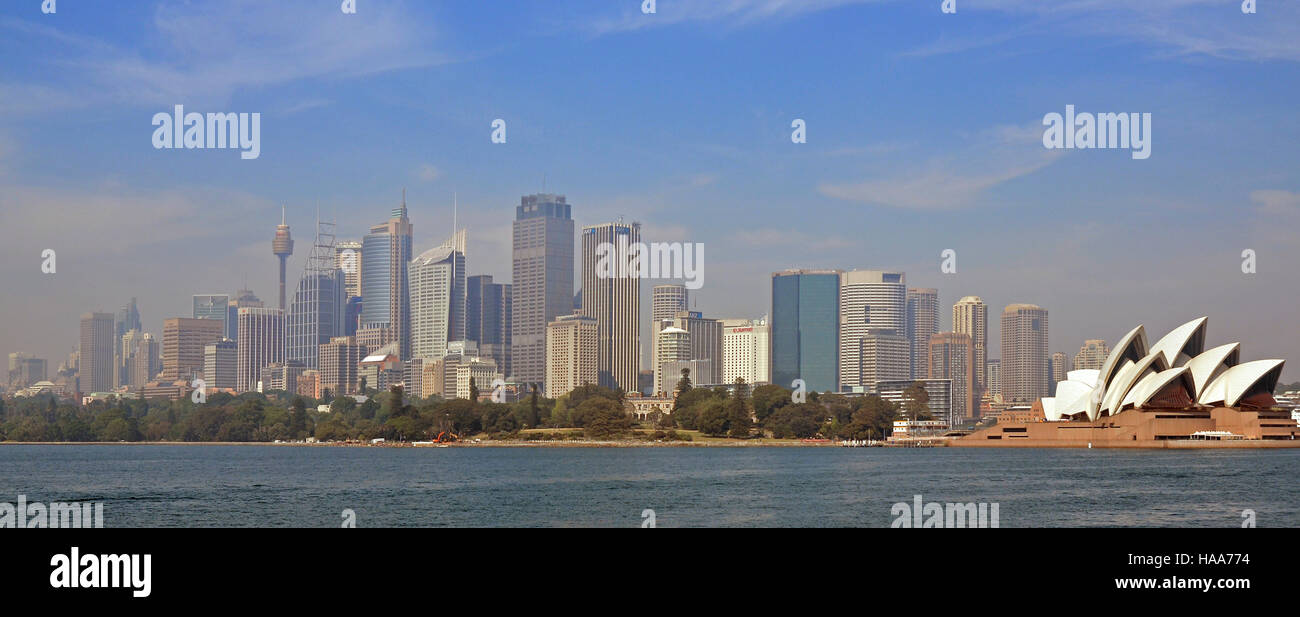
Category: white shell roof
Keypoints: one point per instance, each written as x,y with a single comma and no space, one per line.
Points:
1172,344
1229,387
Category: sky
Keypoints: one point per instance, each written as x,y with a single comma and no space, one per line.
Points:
923,133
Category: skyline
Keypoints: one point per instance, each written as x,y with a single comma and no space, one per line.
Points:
682,124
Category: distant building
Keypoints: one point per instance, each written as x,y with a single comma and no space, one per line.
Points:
939,391
347,257
1026,364
952,357
183,345
1091,355
746,351
97,357
243,298
221,364
970,316
922,323
282,376
487,318
995,378
805,328
883,355
437,284
1060,367
542,275
614,302
385,288
872,303
572,354
25,370
674,345
213,306
338,365
260,344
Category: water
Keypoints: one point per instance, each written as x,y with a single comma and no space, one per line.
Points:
225,486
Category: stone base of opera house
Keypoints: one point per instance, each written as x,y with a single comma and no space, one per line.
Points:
1146,428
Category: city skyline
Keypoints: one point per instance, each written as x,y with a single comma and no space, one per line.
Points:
1027,225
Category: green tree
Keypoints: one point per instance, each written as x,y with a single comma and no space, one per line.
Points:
768,398
684,384
916,402
297,418
473,391
713,419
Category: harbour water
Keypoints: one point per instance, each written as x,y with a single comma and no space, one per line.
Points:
232,486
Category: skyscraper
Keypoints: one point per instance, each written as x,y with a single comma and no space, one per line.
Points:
572,354
243,298
706,345
1025,361
882,355
922,323
665,302
221,364
995,377
746,351
952,357
347,257
674,345
487,319
971,316
385,288
338,365
437,282
1092,355
1060,367
805,328
317,313
213,306
871,302
260,344
183,344
97,357
282,248
614,302
147,361
127,319
542,271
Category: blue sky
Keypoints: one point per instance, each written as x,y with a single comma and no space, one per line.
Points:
924,133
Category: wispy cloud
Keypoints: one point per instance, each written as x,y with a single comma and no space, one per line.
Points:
1277,202
209,51
732,12
988,159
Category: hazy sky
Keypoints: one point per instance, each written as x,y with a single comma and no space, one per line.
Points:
924,133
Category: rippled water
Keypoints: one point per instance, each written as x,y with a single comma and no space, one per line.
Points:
221,486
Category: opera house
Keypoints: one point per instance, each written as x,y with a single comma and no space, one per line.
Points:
1174,393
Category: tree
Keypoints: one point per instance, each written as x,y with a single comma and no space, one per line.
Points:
916,402
534,415
768,398
297,418
713,419
473,391
684,385
737,416
363,385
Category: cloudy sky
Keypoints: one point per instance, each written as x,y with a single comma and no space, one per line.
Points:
924,133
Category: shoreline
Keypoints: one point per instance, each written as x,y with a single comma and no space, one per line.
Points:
407,444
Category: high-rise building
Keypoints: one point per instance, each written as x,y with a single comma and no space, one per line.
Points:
746,351
542,270
282,248
25,370
995,377
478,372
260,344
970,315
146,363
614,301
665,302
213,306
243,298
338,365
317,312
127,319
487,319
572,354
882,355
922,323
97,357
221,364
437,283
385,288
183,344
706,345
1060,367
127,345
952,357
872,301
347,257
1026,365
1092,355
805,328
674,345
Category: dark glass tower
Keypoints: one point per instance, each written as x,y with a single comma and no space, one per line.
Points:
805,328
